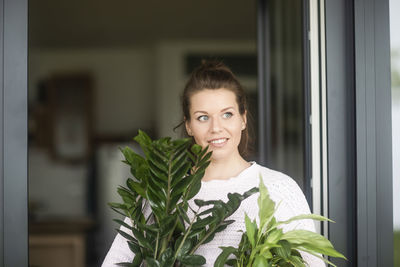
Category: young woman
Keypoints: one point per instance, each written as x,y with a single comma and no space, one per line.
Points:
215,115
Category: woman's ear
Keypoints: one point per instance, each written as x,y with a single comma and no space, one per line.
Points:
188,130
244,120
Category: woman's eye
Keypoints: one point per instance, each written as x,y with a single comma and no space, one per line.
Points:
227,115
202,118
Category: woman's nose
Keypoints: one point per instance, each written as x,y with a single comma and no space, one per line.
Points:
216,125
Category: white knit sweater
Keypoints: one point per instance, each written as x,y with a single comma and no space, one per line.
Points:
282,190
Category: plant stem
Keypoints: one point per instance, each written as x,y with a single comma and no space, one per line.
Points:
155,253
169,185
205,237
186,234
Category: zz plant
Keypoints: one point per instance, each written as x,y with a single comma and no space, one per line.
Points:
268,245
156,201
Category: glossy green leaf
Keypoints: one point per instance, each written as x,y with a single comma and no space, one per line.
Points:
181,187
250,230
134,247
125,264
312,241
194,189
196,149
152,262
203,222
126,235
185,248
260,261
284,251
222,258
193,260
142,240
274,236
265,204
136,187
305,216
122,223
167,257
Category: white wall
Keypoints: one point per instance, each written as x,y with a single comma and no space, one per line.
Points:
123,83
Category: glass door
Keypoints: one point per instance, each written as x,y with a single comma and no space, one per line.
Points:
395,67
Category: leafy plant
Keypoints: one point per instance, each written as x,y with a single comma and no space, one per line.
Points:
156,201
269,246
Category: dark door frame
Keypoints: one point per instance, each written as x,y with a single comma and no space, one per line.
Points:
13,133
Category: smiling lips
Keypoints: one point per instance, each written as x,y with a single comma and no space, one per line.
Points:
218,142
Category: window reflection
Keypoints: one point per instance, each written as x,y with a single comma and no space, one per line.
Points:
395,67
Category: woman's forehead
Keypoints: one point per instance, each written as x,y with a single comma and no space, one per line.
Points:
213,99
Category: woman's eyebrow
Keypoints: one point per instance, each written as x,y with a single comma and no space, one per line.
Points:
200,111
227,109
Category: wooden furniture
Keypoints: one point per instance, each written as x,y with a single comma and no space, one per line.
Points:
58,243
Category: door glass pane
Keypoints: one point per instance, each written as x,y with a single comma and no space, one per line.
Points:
286,135
395,64
98,72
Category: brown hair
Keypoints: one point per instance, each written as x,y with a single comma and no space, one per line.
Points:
215,75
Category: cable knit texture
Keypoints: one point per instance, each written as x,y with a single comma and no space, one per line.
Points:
283,190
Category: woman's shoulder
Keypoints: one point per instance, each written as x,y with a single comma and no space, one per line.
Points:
282,188
270,175
277,182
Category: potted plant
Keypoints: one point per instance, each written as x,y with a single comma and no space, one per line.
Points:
267,245
155,199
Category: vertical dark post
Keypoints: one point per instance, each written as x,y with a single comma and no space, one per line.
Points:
1,136
264,84
341,156
374,146
13,129
307,102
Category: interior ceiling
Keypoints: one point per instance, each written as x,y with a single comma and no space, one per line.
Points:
77,23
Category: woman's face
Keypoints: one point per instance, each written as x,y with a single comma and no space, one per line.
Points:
215,121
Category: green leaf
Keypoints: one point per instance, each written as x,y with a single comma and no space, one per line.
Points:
274,236
183,214
152,262
223,257
134,247
193,260
297,261
143,138
260,261
126,235
119,212
126,264
305,216
285,249
122,223
187,245
265,204
203,222
181,187
250,230
318,256
194,189
167,257
196,149
136,187
142,240
312,241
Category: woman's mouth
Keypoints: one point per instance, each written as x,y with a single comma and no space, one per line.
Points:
218,142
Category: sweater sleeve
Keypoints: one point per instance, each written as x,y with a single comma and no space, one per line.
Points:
119,250
291,202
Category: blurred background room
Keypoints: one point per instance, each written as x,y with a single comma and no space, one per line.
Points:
101,70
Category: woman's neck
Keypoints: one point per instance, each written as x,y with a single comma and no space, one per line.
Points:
225,169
